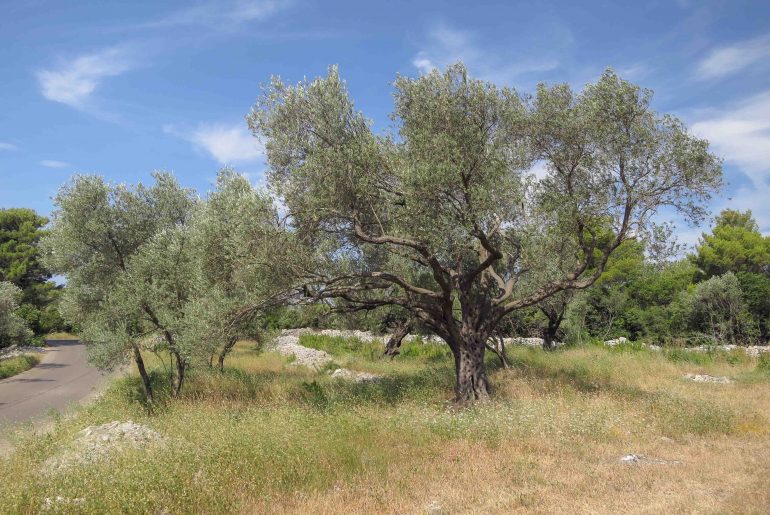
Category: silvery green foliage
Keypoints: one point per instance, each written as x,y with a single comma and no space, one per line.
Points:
716,309
13,328
102,238
246,261
456,177
446,216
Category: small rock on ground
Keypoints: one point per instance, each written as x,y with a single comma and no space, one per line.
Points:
359,377
639,459
705,378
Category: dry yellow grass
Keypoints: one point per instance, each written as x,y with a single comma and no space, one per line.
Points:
267,437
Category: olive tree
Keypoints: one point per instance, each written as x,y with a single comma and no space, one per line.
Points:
124,253
444,217
246,259
13,328
716,308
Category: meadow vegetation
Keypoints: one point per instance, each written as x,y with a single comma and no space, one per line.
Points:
16,365
265,435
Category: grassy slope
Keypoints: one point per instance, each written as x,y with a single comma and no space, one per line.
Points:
12,366
265,436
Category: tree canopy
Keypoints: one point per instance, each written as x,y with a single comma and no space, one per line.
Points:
445,218
156,268
734,245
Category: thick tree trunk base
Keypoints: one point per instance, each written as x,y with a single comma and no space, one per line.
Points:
472,381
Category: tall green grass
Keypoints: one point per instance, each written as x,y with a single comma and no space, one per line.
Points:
12,366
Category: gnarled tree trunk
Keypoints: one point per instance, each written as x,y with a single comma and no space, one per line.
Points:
391,348
470,371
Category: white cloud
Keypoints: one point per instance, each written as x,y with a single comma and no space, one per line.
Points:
741,135
220,14
447,45
73,82
728,60
52,163
227,144
7,146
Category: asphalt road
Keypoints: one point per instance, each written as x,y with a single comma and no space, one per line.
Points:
62,377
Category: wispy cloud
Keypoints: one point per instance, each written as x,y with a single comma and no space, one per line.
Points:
73,82
52,163
741,134
728,60
220,15
7,146
446,45
228,144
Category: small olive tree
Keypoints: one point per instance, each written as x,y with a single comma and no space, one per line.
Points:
247,262
125,254
443,217
13,328
716,308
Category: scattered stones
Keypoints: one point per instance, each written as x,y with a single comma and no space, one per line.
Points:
288,345
753,351
95,443
364,336
19,350
359,377
634,459
705,378
529,342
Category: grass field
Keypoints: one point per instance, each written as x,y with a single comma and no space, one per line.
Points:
12,366
268,437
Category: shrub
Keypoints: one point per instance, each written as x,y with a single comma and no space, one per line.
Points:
716,308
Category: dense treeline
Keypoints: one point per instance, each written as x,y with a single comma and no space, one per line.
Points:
718,294
28,296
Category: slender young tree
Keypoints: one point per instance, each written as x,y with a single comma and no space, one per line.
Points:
247,262
122,250
444,217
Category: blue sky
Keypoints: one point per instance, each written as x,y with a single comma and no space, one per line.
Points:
125,88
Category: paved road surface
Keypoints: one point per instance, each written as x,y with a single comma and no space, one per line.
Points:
62,378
